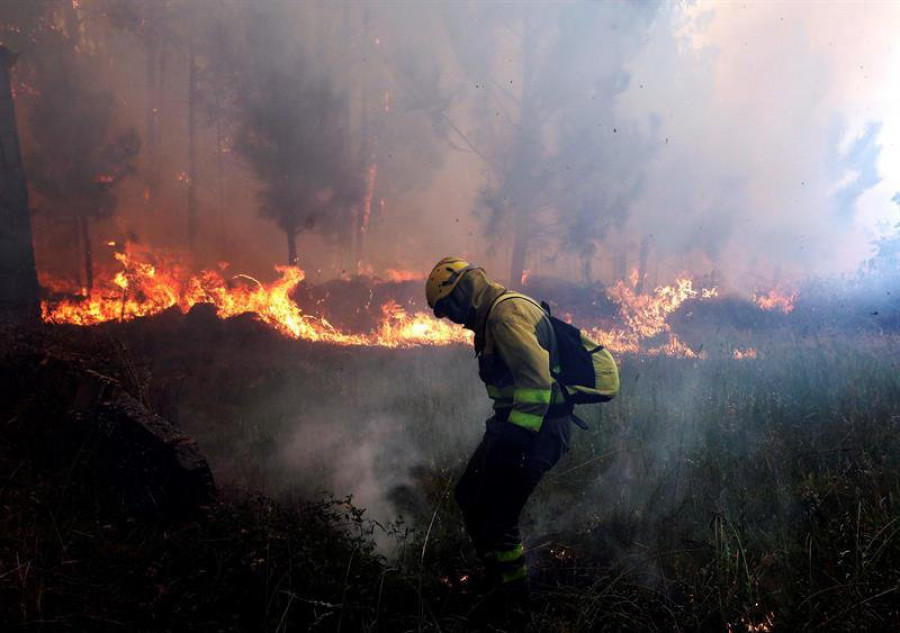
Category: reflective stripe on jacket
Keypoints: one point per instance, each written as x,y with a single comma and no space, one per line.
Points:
516,359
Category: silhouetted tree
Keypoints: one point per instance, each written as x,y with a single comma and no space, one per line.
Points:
77,156
292,132
19,300
559,166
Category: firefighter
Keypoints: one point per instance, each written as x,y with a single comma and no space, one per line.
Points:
529,431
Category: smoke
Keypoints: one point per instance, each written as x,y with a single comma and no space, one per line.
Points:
757,141
291,130
780,144
373,460
307,420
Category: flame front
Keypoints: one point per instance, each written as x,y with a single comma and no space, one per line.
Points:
148,284
644,317
142,289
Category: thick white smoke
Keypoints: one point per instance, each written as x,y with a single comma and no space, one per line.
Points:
780,129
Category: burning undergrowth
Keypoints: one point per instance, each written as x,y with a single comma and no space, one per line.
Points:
388,311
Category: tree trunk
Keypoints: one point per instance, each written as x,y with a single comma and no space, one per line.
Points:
620,263
292,247
19,290
151,181
192,150
220,174
517,261
88,252
642,266
72,28
520,180
76,260
587,272
367,146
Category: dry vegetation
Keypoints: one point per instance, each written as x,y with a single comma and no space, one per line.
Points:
713,495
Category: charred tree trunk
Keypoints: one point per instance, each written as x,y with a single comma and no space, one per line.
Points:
620,264
642,266
292,247
84,222
290,229
19,291
217,87
153,96
517,261
76,260
220,177
587,272
365,206
72,28
192,150
150,181
519,180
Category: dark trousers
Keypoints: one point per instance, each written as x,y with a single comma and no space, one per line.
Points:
501,475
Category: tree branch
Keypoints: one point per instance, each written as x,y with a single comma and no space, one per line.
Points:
466,140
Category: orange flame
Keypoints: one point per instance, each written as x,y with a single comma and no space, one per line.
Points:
526,273
143,289
775,299
148,283
394,275
644,317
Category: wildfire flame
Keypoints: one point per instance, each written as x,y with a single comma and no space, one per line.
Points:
644,317
148,284
143,288
775,299
394,275
742,354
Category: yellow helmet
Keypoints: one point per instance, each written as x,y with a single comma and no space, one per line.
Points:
444,277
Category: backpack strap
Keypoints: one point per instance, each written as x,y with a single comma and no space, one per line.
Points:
514,295
507,294
545,308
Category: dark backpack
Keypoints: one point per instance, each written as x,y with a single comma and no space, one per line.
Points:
586,370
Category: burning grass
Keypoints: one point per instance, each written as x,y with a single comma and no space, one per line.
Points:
149,283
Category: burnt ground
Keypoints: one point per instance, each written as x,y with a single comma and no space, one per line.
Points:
712,494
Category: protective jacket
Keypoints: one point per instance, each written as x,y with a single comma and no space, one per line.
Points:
516,349
529,431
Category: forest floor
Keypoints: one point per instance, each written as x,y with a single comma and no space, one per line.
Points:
715,494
